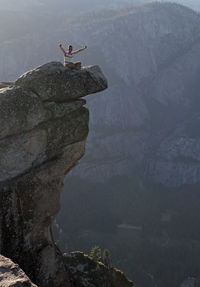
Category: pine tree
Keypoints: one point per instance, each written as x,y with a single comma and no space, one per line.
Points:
95,253
107,258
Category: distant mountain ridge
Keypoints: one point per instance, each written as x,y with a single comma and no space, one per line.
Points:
151,58
69,6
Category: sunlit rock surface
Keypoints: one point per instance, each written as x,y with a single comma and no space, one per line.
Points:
11,275
42,137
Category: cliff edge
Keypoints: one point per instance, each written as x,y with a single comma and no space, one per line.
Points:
44,126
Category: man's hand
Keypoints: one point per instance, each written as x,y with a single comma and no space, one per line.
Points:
85,47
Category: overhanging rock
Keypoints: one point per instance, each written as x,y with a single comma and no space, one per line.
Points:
54,82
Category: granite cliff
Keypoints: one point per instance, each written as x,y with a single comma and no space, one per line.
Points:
44,126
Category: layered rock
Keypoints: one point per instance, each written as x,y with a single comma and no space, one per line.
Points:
43,134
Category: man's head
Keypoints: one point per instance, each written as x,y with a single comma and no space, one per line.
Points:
70,48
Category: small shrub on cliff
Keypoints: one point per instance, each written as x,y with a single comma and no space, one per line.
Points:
95,253
106,258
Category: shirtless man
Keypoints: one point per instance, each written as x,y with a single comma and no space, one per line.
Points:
69,55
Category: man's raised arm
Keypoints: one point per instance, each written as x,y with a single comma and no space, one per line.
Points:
61,48
81,49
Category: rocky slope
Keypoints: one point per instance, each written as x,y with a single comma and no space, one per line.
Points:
44,127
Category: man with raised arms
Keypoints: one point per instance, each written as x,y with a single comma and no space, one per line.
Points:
69,55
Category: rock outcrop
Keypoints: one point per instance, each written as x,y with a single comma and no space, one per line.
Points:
87,272
11,275
44,126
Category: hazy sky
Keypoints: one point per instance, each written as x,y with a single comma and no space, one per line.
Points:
77,4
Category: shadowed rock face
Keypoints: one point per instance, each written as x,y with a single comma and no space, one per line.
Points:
44,127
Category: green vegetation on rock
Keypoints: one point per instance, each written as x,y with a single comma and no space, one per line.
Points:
95,253
86,272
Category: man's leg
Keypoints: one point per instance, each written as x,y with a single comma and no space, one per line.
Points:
70,66
77,65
